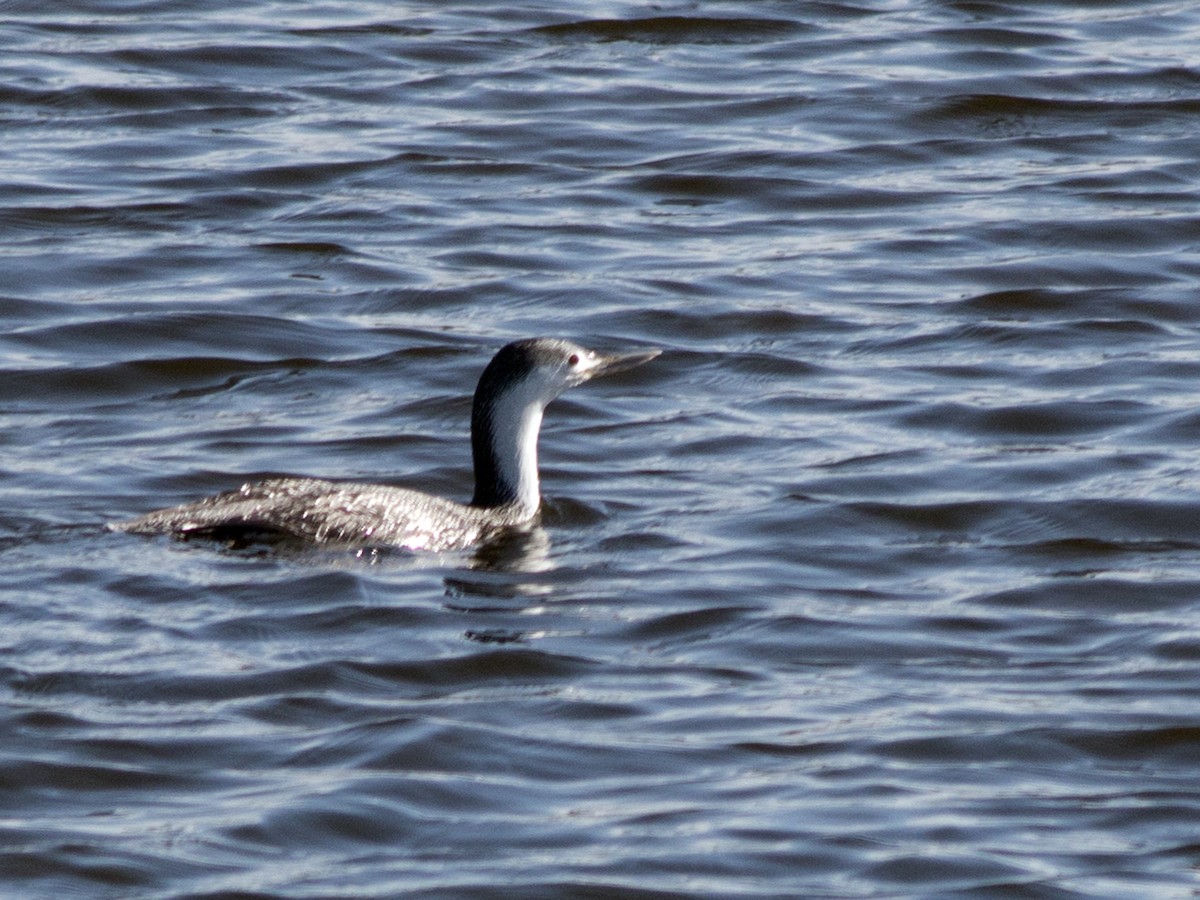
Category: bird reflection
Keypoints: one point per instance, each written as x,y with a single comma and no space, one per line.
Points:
489,577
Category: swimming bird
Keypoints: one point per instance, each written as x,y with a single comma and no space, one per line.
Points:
506,416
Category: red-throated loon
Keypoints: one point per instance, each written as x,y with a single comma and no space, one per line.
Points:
506,416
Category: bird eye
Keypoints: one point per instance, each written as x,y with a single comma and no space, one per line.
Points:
574,360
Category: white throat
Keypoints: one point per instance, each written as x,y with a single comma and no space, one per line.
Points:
516,436
511,426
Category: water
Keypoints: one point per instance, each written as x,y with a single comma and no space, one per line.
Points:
883,580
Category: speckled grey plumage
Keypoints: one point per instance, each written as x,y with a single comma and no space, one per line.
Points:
332,514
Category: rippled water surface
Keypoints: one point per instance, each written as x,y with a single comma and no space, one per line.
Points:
883,580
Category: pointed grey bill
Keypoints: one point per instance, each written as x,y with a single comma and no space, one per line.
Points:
607,364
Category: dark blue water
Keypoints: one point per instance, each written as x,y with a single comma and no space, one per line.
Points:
882,581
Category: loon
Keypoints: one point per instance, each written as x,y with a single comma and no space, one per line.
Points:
506,415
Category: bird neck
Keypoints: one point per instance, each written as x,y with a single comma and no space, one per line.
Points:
504,436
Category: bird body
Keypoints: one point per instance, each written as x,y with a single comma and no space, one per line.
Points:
505,421
316,511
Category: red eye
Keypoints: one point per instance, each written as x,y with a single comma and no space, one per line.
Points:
574,360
